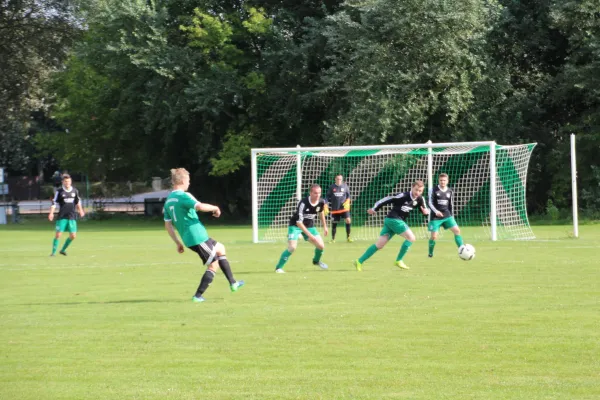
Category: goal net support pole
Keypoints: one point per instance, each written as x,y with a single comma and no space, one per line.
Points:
574,188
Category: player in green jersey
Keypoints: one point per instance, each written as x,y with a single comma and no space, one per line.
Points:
180,213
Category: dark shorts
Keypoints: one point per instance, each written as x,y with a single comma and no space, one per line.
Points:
206,251
335,218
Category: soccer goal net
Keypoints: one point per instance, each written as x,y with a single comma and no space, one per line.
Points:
488,179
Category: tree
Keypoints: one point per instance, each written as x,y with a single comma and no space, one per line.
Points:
403,71
578,89
36,36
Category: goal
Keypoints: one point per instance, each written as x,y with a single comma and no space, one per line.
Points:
489,182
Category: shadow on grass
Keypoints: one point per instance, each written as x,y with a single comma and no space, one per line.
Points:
293,271
138,301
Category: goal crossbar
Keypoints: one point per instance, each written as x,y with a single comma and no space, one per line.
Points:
299,149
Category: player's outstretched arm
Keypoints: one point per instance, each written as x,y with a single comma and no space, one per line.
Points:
205,207
383,202
173,235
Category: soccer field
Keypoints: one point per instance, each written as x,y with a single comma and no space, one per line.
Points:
114,319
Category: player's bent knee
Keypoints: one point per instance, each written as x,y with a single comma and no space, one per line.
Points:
291,248
381,242
220,249
214,266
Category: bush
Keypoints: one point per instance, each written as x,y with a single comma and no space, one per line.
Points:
552,211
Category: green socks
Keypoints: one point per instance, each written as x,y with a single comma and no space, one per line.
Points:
317,257
54,245
431,246
370,251
458,240
67,243
283,259
405,246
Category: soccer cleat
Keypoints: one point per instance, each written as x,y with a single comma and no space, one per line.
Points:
236,286
430,255
358,265
332,241
400,264
52,255
62,252
350,240
320,264
198,299
279,271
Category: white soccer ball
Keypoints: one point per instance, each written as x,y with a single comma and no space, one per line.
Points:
466,252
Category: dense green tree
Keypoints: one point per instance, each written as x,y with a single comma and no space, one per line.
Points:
404,70
546,49
35,39
197,83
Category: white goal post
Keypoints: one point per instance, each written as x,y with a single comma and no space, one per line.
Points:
489,181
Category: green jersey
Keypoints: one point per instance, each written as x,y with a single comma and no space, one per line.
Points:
180,209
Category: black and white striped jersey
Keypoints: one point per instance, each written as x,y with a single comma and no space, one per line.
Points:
307,212
66,200
441,200
402,204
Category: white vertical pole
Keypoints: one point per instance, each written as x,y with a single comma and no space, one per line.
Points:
298,174
574,187
254,197
429,173
493,205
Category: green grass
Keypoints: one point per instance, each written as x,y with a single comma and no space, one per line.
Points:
114,319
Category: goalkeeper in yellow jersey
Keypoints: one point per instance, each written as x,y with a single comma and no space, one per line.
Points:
338,199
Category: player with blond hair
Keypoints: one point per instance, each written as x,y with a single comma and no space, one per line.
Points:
180,212
395,222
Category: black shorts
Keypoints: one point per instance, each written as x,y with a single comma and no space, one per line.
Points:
335,218
206,250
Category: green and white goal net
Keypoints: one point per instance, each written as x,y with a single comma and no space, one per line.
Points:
489,182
